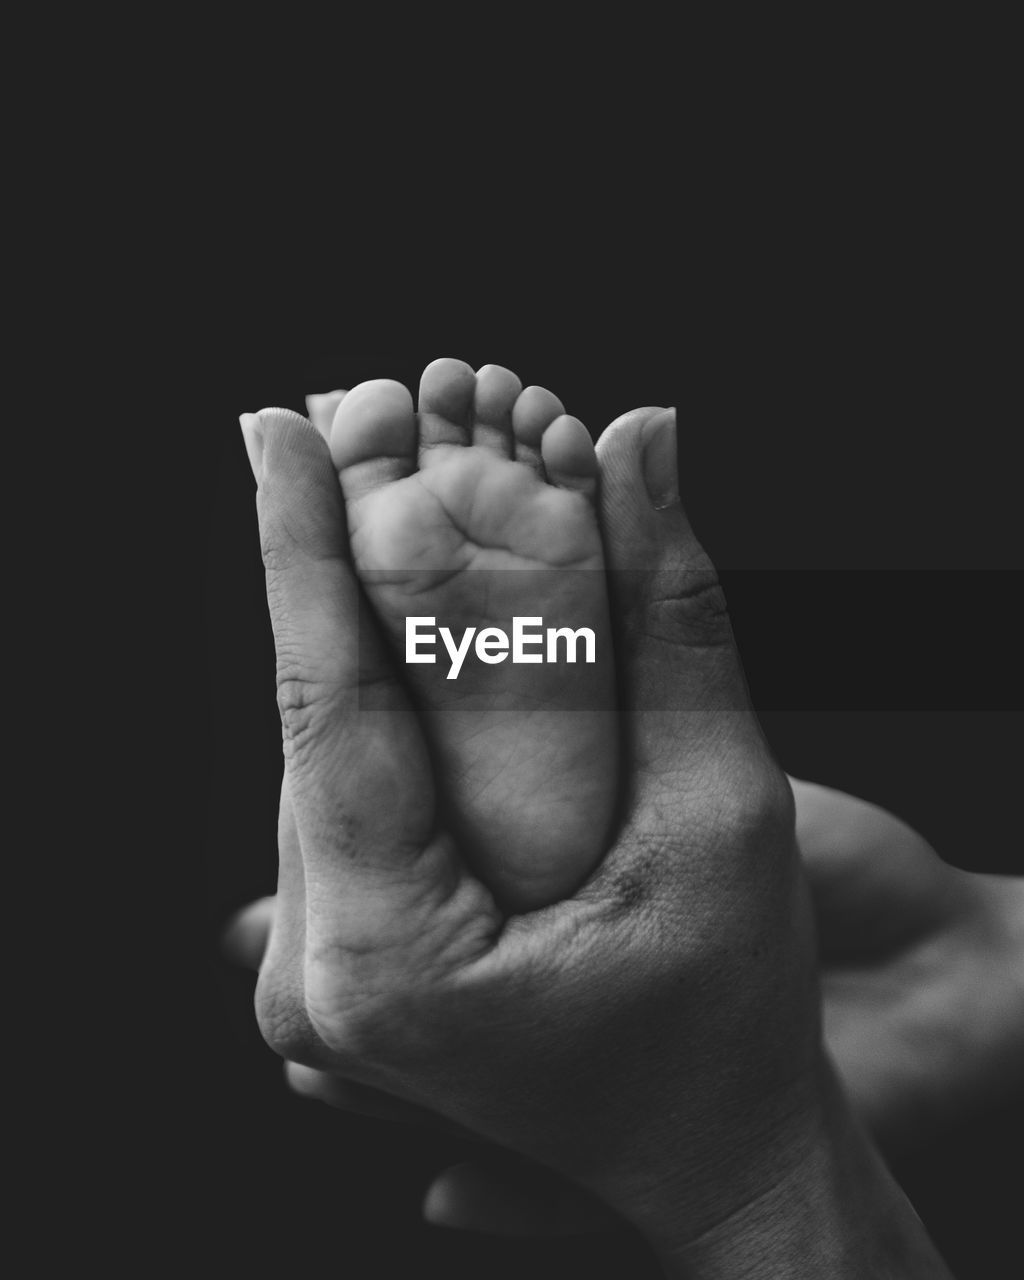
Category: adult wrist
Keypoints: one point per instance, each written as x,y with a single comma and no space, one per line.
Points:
837,1214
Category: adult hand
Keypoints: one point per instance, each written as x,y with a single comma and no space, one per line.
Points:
922,969
923,982
681,975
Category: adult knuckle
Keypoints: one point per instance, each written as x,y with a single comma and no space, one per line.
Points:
690,609
364,1032
770,804
759,811
282,1019
304,701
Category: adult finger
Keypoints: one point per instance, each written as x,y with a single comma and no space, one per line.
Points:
245,935
378,889
683,689
511,1198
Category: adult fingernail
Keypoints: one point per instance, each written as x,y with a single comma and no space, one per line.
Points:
252,434
658,442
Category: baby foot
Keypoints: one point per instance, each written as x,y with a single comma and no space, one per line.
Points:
476,511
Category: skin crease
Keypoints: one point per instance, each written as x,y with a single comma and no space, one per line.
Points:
389,965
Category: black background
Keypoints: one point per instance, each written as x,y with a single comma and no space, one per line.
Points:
829,317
